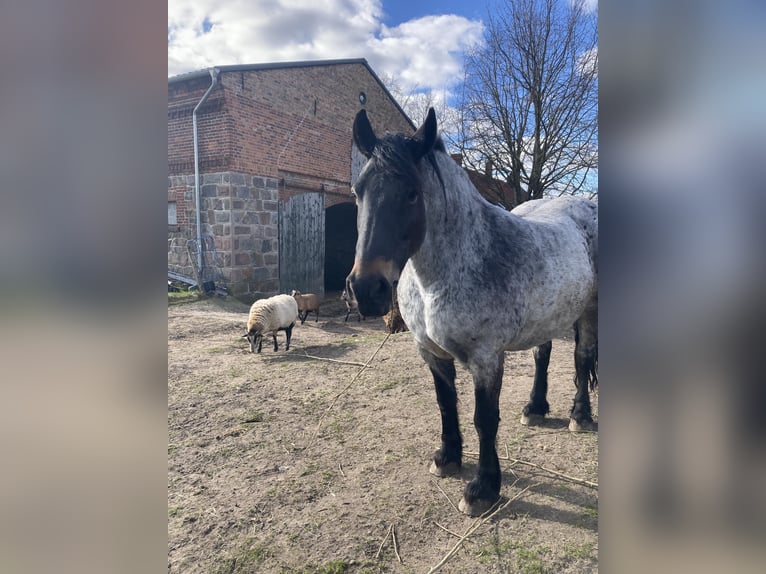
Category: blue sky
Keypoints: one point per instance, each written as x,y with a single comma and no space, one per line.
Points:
419,43
416,45
398,11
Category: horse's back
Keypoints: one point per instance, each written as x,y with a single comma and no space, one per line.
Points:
556,211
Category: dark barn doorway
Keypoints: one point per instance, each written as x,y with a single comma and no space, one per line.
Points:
340,242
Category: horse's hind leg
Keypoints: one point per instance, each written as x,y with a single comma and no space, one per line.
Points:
484,490
535,410
448,459
586,369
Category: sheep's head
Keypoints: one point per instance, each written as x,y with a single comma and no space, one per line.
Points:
295,293
254,338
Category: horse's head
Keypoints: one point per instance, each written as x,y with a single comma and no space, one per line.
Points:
391,217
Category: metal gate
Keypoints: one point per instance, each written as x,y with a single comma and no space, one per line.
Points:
301,244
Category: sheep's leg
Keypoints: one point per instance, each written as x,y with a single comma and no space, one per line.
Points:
289,332
447,460
276,347
348,312
316,312
535,410
482,492
303,317
260,342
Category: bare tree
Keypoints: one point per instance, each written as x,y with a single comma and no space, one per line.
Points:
417,101
529,100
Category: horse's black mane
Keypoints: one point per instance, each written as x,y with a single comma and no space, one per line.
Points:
394,153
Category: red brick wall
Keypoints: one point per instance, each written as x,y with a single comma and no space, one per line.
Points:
263,122
213,125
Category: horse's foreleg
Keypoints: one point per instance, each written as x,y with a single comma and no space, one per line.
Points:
537,407
586,365
482,492
448,459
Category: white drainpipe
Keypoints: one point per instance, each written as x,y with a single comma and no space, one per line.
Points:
214,76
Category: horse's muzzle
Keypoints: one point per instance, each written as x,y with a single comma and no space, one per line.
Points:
372,292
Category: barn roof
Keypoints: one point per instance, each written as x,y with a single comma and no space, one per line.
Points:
204,73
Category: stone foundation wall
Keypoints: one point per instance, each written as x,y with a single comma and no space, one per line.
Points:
240,212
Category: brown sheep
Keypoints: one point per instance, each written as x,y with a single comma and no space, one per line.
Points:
351,305
306,303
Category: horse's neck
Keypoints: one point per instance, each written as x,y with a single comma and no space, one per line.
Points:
456,227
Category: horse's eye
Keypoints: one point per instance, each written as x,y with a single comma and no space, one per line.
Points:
412,197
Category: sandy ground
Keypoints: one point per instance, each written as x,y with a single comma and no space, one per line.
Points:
282,463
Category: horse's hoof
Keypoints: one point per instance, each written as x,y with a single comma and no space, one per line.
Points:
532,420
451,469
585,426
475,508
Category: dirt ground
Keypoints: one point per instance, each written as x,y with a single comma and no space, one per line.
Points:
268,472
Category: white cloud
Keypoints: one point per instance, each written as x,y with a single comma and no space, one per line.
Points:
421,53
588,5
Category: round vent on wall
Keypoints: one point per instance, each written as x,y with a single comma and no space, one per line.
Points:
362,98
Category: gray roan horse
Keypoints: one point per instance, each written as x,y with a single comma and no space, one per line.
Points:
473,281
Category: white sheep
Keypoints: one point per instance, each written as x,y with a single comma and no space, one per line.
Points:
277,313
306,303
351,305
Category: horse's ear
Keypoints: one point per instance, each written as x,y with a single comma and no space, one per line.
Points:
364,136
426,135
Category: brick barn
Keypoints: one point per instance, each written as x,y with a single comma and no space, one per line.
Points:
275,161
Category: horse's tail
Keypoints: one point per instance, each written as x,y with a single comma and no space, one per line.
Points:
592,376
593,373
591,363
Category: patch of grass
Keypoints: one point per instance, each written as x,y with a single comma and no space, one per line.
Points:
227,452
255,417
235,372
591,512
589,517
215,350
387,386
177,298
310,469
342,422
579,551
528,560
173,511
245,561
333,567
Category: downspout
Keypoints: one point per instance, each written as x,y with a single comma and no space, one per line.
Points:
214,76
